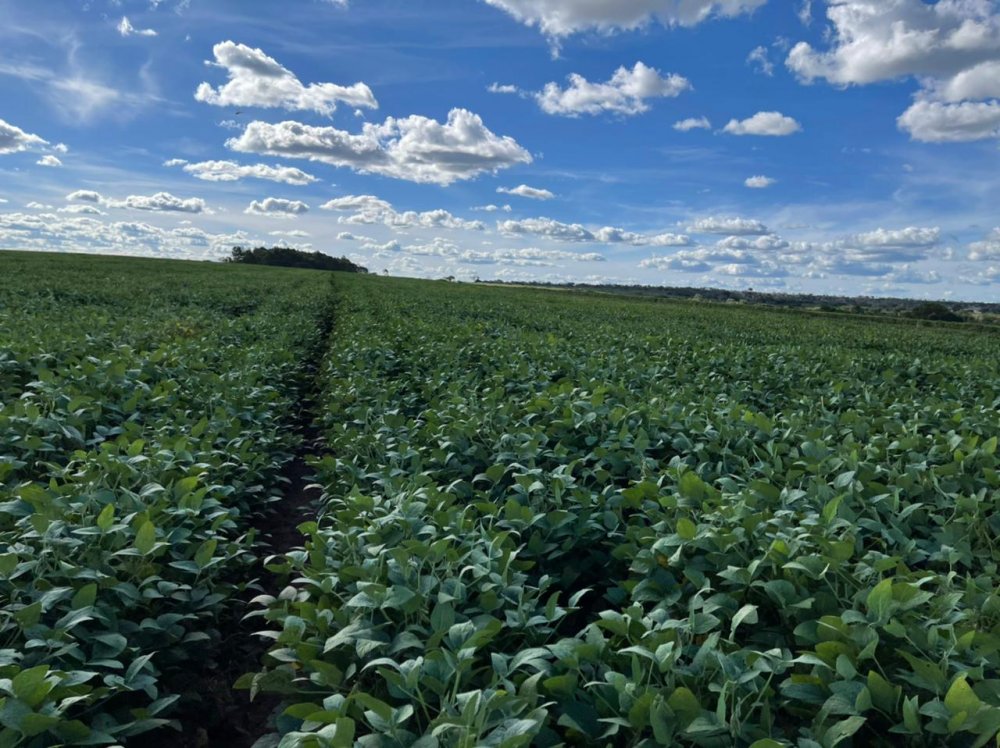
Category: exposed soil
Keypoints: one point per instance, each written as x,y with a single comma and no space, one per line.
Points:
212,712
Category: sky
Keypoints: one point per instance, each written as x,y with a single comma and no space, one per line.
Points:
843,146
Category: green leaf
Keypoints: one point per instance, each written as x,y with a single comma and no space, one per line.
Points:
685,704
84,597
746,614
961,698
106,518
879,600
145,538
36,724
205,552
685,527
842,730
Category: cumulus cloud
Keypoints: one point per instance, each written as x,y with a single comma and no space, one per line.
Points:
413,148
230,171
558,18
759,59
277,207
503,88
78,209
494,208
759,182
988,249
732,226
575,232
525,257
371,210
86,196
693,123
938,122
625,93
14,139
49,160
356,203
90,233
125,28
763,123
952,47
523,190
261,81
162,202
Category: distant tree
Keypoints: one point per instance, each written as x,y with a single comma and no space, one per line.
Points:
934,310
292,258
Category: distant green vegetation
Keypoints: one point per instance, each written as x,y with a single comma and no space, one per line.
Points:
293,258
560,520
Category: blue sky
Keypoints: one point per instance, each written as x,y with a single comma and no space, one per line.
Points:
846,147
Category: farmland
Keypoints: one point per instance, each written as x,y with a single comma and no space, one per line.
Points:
546,518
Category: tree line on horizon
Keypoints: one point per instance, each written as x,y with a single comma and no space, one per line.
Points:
293,258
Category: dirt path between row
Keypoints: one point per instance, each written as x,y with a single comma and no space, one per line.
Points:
212,713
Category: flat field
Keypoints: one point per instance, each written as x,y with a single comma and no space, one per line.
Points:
546,518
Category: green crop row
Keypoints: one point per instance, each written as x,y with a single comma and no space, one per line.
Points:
144,422
555,520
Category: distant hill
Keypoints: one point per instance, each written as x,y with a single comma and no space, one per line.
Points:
293,258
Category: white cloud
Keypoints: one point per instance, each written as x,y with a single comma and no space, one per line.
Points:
875,40
765,243
625,93
357,203
693,123
260,81
371,210
763,123
575,232
162,202
952,47
14,139
805,12
558,18
79,210
524,257
230,171
981,81
503,88
33,205
86,196
730,226
908,237
494,208
523,190
988,249
937,122
88,233
295,233
761,62
414,148
125,28
759,182
277,207
175,162
49,160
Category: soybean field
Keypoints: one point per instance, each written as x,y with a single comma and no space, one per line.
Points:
545,519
